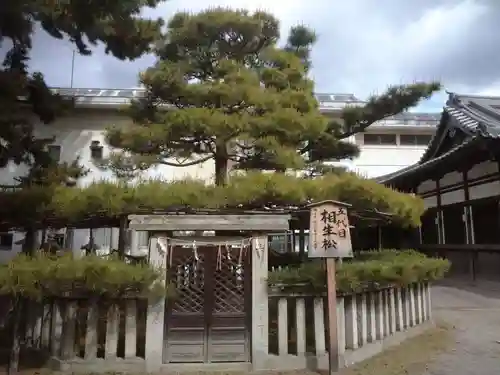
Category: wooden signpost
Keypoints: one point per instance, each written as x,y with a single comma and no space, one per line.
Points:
330,238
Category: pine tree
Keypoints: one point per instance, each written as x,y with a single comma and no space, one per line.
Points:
25,99
24,95
223,89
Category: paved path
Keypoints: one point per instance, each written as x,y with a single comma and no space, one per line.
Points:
474,311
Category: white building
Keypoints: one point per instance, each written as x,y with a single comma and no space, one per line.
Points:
388,146
394,143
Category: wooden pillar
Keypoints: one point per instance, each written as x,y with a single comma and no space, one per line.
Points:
440,218
290,237
469,229
155,322
467,212
302,243
260,303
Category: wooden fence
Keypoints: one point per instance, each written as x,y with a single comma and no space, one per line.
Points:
298,330
97,337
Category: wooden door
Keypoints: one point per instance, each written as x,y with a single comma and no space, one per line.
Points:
208,320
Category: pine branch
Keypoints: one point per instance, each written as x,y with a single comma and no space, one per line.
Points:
395,100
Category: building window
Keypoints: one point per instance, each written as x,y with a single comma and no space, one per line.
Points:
415,139
324,98
380,139
54,152
6,241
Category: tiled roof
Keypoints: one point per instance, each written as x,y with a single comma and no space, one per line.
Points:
477,116
462,118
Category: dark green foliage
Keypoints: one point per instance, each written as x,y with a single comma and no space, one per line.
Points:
24,96
255,190
25,100
223,89
249,96
369,270
44,276
395,100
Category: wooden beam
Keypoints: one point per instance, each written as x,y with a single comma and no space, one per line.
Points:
486,248
257,222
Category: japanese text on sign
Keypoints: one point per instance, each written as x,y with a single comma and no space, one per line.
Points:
329,231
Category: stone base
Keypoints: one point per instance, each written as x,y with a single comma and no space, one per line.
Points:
271,363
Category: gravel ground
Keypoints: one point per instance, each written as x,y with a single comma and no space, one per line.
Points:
474,312
466,340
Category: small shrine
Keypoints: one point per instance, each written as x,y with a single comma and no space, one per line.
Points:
218,266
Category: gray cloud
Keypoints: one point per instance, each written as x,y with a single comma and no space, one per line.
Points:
363,46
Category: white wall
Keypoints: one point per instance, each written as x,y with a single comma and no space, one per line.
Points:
375,161
75,135
379,160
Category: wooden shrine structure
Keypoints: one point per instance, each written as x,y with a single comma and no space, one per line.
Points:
458,178
220,311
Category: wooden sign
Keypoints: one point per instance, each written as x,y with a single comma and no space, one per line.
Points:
329,233
330,238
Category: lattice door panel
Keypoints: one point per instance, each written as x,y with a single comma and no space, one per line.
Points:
207,321
229,282
187,274
186,335
229,323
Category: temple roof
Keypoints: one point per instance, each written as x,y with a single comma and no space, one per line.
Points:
470,118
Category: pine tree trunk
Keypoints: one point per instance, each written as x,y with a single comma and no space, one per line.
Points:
221,164
221,172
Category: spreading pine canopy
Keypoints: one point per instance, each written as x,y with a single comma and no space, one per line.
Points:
224,89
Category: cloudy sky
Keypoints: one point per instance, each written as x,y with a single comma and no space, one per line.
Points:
363,46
